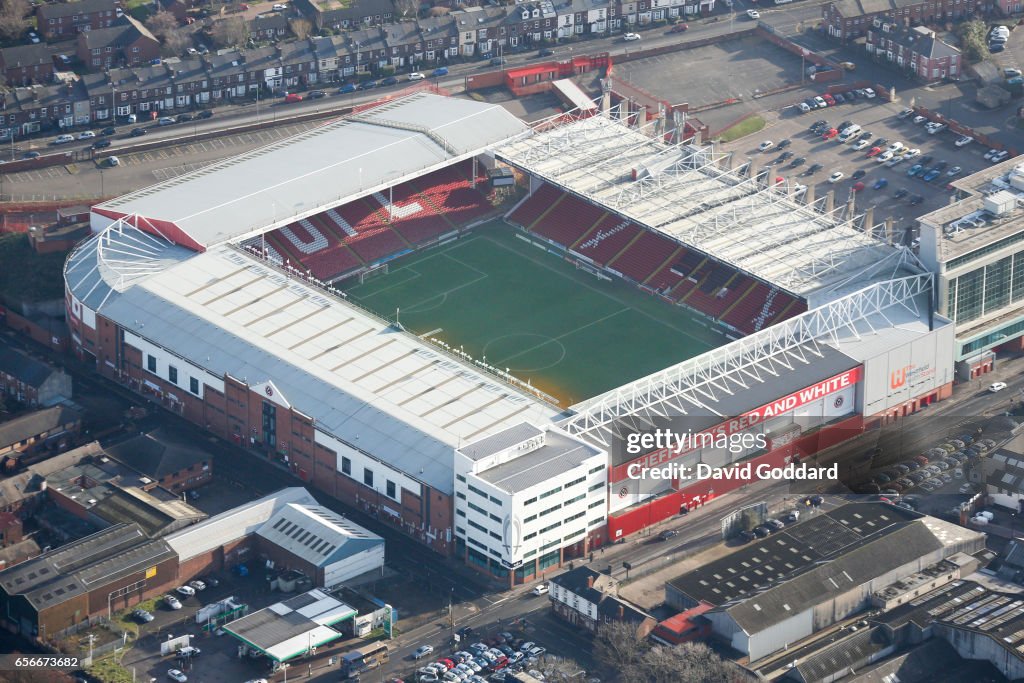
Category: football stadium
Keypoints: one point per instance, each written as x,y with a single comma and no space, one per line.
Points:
372,305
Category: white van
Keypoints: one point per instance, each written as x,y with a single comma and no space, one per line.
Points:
849,132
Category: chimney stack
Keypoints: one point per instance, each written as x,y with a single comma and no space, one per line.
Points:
590,582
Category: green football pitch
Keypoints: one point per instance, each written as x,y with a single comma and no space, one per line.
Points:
512,305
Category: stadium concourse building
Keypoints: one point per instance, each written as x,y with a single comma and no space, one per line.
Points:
171,298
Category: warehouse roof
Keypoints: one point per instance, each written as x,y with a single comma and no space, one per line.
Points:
326,166
43,421
290,628
235,523
77,567
316,534
790,571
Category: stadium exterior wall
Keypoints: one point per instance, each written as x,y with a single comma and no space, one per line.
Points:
690,497
233,410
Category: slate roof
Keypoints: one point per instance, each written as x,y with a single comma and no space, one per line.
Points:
575,581
26,55
921,40
158,453
118,35
35,423
857,8
53,10
22,367
273,21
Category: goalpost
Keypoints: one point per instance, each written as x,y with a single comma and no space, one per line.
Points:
379,269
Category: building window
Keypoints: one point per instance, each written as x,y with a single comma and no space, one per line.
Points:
172,374
597,487
391,489
151,363
595,470
368,477
495,501
346,466
193,385
461,478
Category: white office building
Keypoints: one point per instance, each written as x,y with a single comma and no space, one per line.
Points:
527,499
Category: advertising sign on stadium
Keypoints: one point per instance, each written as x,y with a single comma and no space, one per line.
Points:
778,407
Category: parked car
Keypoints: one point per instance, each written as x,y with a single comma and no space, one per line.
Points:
679,28
137,132
367,85
111,162
101,144
858,174
667,534
836,177
347,88
187,591
63,139
540,589
166,121
996,386
753,14
629,37
197,585
766,145
416,76
905,113
172,602
143,616
439,71
316,94
391,80
177,675
422,651
205,114
880,183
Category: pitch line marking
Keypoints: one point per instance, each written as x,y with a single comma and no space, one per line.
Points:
566,334
606,294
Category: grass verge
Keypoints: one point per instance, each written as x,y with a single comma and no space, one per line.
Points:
747,126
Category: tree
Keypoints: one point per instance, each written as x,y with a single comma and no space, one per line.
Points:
165,26
686,663
301,27
560,669
230,32
972,40
618,648
407,8
162,23
12,18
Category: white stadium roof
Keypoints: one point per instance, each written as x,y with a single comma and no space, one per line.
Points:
328,165
686,193
362,380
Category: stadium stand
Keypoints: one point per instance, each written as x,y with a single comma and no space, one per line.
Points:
345,238
606,239
653,260
643,256
527,213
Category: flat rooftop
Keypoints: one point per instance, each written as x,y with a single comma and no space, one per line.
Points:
958,239
322,167
558,455
289,628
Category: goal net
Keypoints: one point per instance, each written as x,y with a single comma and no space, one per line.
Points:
380,269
